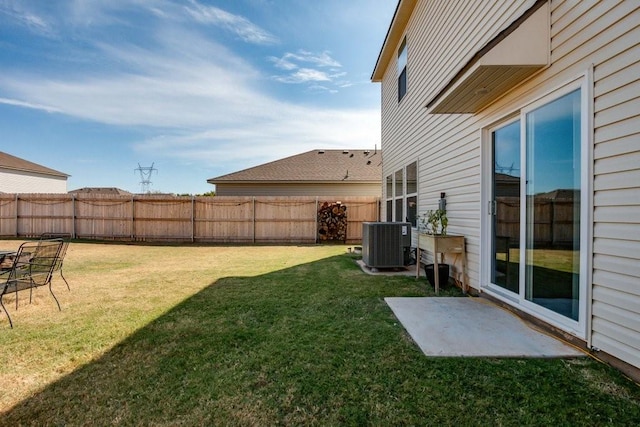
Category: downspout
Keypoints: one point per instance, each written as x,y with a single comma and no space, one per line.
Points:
590,208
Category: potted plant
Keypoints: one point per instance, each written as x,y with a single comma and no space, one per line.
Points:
434,222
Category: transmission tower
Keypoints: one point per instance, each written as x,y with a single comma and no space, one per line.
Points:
145,177
506,169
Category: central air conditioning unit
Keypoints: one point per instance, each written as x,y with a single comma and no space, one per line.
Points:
386,244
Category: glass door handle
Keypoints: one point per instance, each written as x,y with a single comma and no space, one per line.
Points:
492,207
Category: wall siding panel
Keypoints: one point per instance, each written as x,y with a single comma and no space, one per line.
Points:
27,182
613,264
292,189
607,35
447,147
586,36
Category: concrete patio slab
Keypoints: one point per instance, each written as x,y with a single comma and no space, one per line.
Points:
473,327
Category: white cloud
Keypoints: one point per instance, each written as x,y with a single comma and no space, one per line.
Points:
293,130
197,101
300,69
17,103
322,59
291,60
203,103
321,88
21,15
85,13
239,25
304,75
283,63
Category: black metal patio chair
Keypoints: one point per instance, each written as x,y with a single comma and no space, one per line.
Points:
33,266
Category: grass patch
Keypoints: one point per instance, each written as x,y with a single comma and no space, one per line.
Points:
263,336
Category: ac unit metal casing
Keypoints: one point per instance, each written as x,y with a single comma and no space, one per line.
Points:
384,244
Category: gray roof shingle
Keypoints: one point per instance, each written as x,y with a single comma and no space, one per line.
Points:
314,166
101,190
7,161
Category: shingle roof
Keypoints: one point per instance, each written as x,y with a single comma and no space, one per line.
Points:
314,166
7,161
100,190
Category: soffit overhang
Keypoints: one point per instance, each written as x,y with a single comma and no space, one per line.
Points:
396,30
517,53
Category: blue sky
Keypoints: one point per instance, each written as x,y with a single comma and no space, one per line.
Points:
199,88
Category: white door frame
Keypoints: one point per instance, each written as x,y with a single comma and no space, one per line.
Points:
582,327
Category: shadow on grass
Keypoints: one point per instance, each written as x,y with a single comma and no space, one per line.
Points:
315,344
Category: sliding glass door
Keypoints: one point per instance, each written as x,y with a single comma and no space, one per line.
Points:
535,207
504,207
552,261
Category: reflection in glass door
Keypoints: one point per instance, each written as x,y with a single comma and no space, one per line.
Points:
535,207
552,265
505,207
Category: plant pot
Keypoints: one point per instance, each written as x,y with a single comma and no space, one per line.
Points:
443,274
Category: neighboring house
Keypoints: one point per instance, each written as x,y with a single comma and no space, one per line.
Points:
477,96
105,191
22,176
314,173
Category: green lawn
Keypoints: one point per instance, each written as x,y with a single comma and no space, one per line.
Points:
293,335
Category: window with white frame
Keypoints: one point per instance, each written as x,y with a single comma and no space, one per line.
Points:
402,195
411,201
399,195
389,194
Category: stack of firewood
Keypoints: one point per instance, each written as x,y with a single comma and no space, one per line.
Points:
332,222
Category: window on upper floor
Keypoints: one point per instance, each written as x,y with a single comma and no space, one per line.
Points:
402,69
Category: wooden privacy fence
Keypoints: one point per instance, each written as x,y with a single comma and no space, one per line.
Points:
554,221
223,219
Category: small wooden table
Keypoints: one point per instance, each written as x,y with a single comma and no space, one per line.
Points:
437,244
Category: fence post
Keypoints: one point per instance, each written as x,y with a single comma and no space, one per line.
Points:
16,215
253,215
315,231
193,219
73,216
133,218
552,221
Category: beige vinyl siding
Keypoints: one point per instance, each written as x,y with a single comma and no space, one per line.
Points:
292,189
616,246
31,182
600,35
604,35
441,38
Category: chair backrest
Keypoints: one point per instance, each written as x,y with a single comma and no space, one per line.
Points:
35,262
63,250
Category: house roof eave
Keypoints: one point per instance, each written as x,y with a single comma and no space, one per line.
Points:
403,12
258,182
